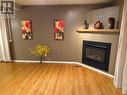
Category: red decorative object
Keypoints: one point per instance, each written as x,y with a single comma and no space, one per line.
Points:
58,30
98,25
26,29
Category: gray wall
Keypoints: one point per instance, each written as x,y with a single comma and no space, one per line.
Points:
42,26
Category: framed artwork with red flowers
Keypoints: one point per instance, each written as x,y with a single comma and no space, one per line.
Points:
58,30
26,29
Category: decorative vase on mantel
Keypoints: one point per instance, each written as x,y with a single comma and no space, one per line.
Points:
86,25
98,25
111,22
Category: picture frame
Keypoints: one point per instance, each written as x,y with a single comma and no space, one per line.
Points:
58,30
26,30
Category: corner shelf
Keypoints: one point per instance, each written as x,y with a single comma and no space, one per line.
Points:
112,31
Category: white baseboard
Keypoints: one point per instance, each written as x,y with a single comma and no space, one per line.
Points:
32,61
66,62
97,70
26,61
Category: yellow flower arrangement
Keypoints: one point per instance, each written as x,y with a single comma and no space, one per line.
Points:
40,51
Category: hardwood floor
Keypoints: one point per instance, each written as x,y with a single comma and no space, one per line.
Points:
53,79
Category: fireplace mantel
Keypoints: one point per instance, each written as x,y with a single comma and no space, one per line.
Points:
109,31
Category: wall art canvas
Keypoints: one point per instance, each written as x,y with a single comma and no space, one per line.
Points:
26,30
58,30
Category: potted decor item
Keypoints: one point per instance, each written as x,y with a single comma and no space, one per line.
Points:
41,51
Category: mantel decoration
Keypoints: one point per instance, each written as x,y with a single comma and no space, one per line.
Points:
58,30
41,51
111,21
86,25
26,30
98,25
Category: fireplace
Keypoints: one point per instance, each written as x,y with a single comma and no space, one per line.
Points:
96,54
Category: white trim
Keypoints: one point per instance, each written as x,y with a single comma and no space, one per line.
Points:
32,61
97,70
25,61
66,62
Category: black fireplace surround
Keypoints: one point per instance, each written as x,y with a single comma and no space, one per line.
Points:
96,54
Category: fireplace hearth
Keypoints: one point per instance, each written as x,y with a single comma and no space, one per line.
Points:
96,54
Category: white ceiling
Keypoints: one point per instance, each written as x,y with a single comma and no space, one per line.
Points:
60,2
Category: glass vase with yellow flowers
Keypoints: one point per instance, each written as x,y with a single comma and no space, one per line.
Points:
41,51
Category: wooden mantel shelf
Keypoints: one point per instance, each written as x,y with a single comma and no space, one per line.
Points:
98,31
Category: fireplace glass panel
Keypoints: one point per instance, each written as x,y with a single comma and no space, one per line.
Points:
96,54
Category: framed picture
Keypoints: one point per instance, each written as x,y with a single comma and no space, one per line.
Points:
58,30
26,29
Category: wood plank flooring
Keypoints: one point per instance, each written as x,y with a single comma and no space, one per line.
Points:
53,79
